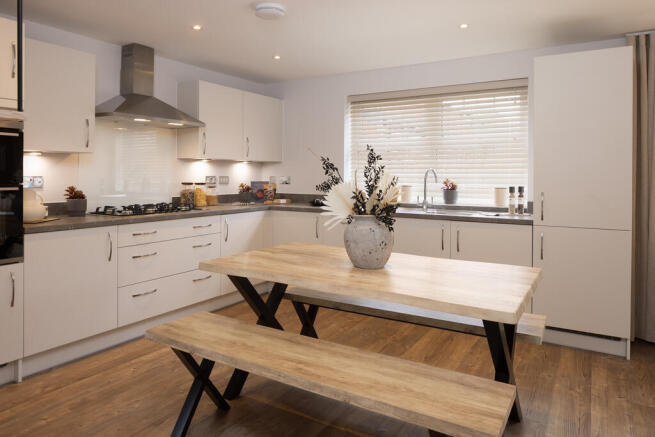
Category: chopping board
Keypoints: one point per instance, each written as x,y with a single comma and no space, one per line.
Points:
42,220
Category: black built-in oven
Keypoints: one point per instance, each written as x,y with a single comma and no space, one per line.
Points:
11,193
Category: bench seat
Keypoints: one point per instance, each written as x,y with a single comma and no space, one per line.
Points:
441,400
530,328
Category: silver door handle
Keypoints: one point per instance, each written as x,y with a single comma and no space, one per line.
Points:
138,234
144,256
316,227
13,59
202,279
145,293
204,143
542,206
458,240
88,133
111,246
202,226
227,229
13,289
542,246
201,245
443,231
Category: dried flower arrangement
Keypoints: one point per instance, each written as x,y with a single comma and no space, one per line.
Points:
449,185
73,193
345,199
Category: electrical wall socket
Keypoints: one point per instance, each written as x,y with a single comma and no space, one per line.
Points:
210,180
223,180
32,181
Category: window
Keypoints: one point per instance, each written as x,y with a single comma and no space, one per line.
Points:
475,135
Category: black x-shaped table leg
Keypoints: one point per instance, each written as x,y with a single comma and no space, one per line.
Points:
307,318
501,338
265,312
201,383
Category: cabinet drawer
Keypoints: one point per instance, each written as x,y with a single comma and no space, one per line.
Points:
141,233
156,260
148,299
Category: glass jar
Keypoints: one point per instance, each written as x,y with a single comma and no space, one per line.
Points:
187,194
212,195
200,197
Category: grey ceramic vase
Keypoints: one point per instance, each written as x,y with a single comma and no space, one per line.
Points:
76,207
449,197
368,242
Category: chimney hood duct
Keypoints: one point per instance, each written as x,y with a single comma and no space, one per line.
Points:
136,103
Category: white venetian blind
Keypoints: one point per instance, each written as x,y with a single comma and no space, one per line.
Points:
477,138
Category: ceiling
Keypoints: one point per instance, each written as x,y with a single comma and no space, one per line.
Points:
337,36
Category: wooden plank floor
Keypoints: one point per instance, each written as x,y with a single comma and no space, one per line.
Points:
138,388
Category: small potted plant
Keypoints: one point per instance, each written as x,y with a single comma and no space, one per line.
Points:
245,193
449,190
75,202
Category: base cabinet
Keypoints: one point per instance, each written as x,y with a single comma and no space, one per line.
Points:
241,233
491,242
586,279
70,286
11,312
295,227
422,237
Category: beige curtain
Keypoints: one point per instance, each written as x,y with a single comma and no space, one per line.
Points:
644,153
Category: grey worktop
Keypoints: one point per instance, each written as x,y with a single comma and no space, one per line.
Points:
65,223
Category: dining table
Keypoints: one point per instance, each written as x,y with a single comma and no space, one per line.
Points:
497,294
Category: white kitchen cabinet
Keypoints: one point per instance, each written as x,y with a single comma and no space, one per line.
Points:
11,312
241,233
295,227
583,139
152,232
422,237
221,109
8,64
70,286
491,242
60,89
585,283
262,127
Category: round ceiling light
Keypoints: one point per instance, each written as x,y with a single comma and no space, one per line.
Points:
270,11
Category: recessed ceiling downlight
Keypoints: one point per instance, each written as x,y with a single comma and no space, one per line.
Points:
277,57
270,11
463,26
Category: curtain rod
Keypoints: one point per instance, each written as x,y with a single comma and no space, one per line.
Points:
643,32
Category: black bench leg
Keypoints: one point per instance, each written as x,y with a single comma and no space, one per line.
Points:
307,318
266,317
501,339
201,383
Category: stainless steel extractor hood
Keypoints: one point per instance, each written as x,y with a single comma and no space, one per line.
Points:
136,103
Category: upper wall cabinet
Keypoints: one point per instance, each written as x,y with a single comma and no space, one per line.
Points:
8,64
59,98
221,108
583,139
262,127
240,126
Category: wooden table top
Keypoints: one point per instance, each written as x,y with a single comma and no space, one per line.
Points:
495,292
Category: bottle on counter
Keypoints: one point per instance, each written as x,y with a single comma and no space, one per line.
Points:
512,201
521,201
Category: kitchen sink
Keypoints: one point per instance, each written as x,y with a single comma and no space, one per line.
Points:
440,211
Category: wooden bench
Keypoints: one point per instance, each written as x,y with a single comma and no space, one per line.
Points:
530,327
443,401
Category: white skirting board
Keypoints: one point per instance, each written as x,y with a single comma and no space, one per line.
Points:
70,352
620,347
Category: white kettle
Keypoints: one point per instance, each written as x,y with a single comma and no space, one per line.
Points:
33,208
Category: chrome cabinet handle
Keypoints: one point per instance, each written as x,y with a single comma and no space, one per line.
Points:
13,59
144,256
202,226
145,293
202,279
138,234
247,147
227,229
13,289
111,246
204,143
196,246
316,227
458,240
443,231
542,246
88,133
542,206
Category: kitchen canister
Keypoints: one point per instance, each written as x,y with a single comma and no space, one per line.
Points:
500,197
